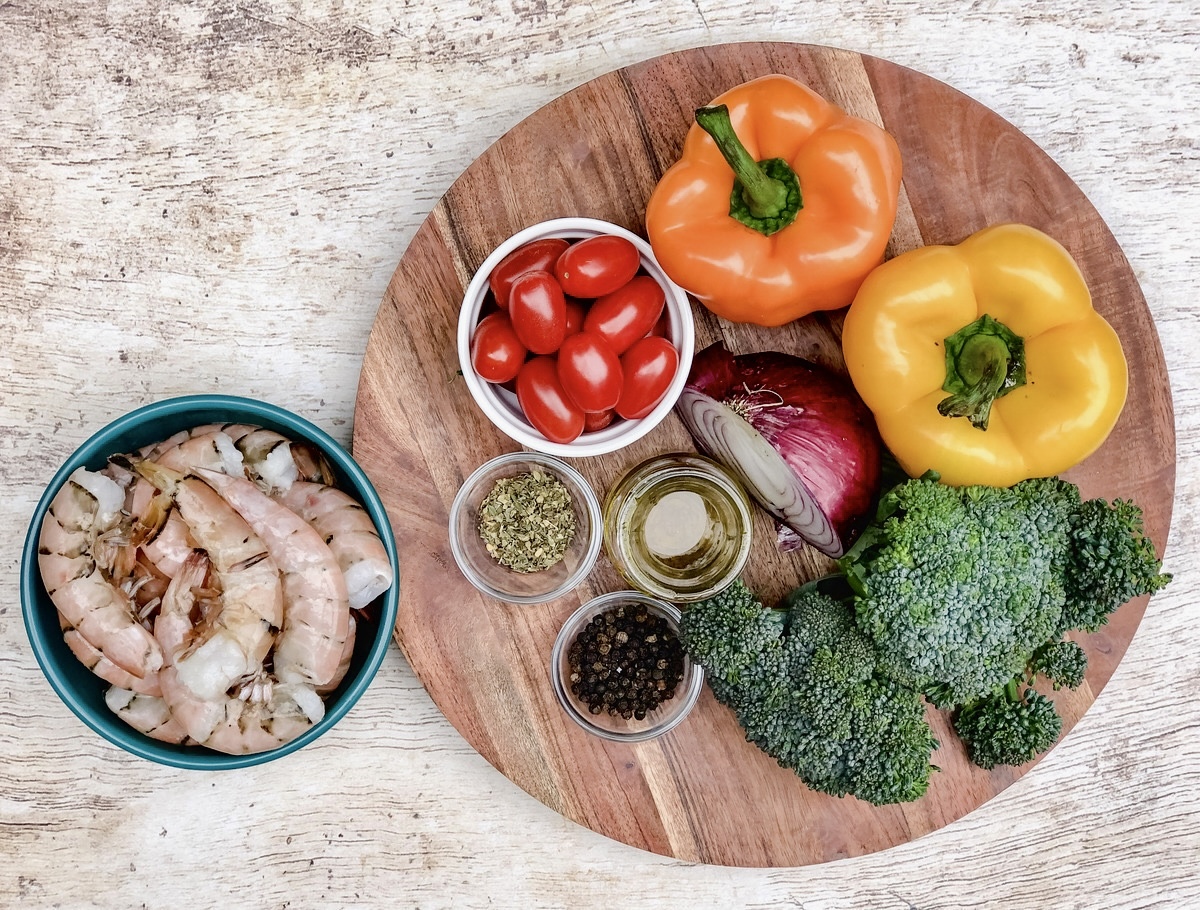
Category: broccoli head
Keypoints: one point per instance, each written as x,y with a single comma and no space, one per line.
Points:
730,633
1009,726
956,586
811,696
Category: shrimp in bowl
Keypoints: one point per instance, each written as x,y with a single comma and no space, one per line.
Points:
152,613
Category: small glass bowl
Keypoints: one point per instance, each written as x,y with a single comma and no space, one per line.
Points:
704,529
482,569
663,718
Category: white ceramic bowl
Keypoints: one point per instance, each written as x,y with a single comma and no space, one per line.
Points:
500,405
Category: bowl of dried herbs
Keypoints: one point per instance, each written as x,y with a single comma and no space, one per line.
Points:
525,528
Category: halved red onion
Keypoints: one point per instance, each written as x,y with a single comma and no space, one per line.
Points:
796,434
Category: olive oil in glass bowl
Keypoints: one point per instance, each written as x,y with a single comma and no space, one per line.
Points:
678,527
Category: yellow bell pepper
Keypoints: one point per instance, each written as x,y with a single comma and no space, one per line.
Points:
985,361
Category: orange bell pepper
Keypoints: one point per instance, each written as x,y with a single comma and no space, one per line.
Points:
779,206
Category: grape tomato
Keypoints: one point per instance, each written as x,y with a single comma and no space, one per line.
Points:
576,310
535,256
538,312
496,351
597,266
598,421
628,313
590,371
545,402
648,368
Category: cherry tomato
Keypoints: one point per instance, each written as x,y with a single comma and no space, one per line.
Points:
545,402
537,255
598,421
648,368
496,351
597,266
576,310
538,312
627,314
590,372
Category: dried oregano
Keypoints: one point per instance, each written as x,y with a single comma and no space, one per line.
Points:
527,521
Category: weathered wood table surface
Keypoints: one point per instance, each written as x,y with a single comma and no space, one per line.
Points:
213,196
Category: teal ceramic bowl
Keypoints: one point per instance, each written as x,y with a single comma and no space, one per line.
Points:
83,692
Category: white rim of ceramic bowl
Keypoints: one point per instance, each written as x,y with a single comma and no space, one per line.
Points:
591,501
489,396
687,698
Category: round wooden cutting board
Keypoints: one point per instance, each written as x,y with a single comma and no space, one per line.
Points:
701,792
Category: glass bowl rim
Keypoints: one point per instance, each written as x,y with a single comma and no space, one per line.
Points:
691,684
591,503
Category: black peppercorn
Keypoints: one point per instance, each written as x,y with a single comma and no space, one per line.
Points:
626,661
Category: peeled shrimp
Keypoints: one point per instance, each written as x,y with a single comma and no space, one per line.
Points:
317,609
348,530
82,514
239,627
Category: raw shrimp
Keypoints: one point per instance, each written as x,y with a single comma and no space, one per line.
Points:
350,534
83,515
239,626
214,450
262,717
344,661
147,714
261,714
268,458
317,608
170,546
93,658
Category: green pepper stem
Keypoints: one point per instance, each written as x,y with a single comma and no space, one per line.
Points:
766,195
984,361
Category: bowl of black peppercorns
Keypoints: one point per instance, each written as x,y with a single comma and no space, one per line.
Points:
619,669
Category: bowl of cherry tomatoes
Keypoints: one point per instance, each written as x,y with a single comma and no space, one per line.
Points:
572,339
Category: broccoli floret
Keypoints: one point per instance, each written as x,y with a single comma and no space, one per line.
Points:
1009,726
894,744
730,632
958,585
1063,663
811,696
1110,561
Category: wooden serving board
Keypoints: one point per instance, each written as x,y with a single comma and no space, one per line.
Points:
701,792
